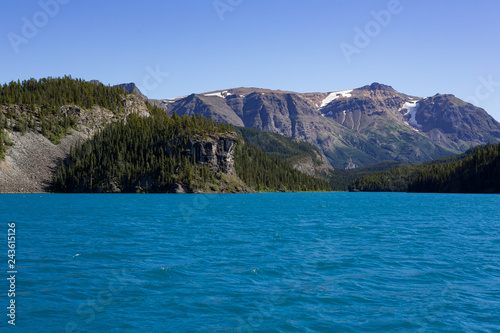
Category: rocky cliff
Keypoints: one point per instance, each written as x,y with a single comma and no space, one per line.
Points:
215,151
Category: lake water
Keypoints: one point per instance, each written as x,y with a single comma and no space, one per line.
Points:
287,262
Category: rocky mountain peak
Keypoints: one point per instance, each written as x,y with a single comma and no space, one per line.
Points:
375,86
379,86
131,88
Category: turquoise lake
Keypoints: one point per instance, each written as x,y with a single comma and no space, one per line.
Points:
280,262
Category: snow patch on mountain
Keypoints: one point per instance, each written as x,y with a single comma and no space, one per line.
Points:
334,95
221,94
411,108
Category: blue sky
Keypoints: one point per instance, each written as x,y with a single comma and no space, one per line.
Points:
177,47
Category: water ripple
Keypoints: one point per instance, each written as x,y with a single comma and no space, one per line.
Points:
303,262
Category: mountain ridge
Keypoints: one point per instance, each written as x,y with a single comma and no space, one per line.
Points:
352,127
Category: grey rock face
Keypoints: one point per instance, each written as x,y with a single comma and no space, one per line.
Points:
216,152
178,188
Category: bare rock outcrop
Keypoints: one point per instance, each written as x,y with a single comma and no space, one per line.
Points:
308,166
215,151
178,188
94,119
30,163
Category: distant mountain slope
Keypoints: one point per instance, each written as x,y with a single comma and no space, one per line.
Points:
207,106
300,155
354,127
454,123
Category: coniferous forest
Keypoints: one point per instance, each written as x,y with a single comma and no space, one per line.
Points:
476,171
147,155
265,173
49,93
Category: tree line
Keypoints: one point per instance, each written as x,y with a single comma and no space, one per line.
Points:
477,173
49,93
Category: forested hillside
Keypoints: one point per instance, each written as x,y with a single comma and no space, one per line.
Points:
36,105
153,154
4,139
265,173
476,171
301,155
278,146
341,179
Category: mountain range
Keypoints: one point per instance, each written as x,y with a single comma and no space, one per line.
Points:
354,127
372,128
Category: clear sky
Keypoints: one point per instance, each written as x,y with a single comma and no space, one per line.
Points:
176,47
